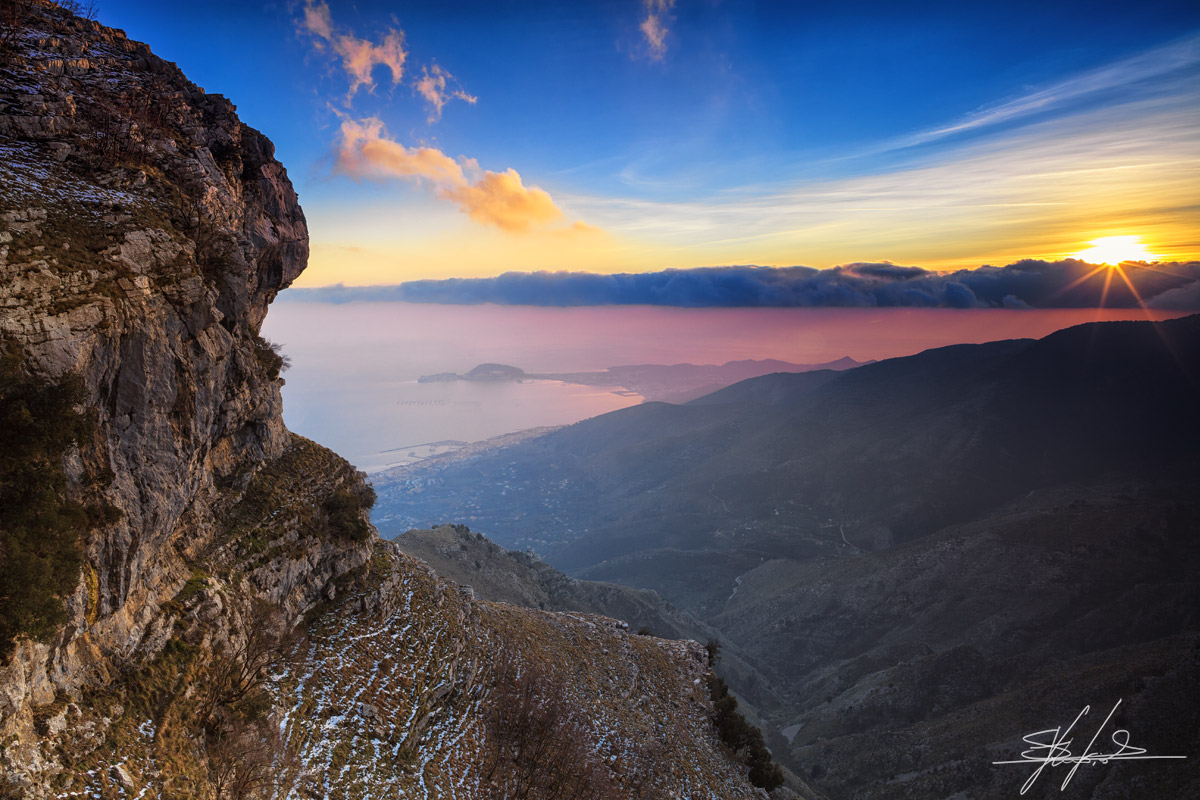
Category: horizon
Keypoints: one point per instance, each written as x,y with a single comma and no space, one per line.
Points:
466,142
353,384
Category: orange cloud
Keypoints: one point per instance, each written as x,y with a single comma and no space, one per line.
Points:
359,56
496,198
366,152
653,27
432,86
501,199
581,227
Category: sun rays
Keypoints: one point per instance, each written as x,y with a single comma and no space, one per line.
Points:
1115,250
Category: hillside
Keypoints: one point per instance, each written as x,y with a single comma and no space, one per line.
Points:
493,573
194,603
936,554
811,464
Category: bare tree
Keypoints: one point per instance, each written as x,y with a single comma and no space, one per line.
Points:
247,752
239,668
87,10
538,744
246,758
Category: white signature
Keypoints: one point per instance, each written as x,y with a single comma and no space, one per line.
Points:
1052,748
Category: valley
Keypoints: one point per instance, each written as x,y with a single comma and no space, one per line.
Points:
941,549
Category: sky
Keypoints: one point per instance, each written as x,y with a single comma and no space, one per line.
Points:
442,140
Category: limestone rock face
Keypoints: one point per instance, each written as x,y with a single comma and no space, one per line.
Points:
144,230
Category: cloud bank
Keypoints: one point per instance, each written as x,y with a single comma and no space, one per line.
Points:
359,56
1024,284
499,199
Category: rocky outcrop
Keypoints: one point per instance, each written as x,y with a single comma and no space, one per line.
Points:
144,231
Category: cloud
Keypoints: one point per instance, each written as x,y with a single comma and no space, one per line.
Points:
318,21
1024,284
1045,190
359,56
1182,298
653,26
432,85
500,199
1136,71
365,152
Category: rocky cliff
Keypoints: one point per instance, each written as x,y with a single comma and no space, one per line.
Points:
145,232
194,603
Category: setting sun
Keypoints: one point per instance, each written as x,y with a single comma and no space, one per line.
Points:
1115,250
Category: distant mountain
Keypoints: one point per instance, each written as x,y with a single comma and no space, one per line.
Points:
938,554
912,669
818,463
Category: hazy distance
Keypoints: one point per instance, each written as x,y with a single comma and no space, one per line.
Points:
353,381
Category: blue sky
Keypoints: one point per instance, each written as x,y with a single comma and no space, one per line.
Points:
695,149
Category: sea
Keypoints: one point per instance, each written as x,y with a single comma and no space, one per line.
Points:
353,384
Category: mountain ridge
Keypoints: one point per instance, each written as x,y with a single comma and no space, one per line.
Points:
932,556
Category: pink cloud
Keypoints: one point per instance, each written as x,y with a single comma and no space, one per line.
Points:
433,86
653,26
359,56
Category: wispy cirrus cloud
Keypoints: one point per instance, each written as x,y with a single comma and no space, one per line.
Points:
1129,73
359,57
1041,189
439,87
498,199
654,26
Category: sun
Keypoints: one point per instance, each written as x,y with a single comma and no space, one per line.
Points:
1113,250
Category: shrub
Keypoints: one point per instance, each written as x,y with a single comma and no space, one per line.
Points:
743,738
347,509
270,356
538,745
15,16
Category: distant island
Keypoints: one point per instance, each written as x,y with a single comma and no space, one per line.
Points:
484,372
672,383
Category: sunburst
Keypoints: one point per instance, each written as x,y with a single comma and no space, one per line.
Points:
1115,250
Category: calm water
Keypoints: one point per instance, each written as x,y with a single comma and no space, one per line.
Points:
353,382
